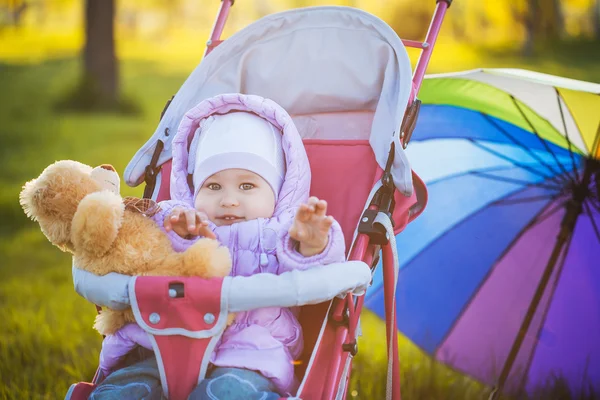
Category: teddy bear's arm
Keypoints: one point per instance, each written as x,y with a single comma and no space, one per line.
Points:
97,222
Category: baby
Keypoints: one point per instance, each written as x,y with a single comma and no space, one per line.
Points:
245,182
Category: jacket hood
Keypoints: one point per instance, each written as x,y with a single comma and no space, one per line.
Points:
296,184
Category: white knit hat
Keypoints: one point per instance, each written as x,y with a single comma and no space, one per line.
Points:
237,140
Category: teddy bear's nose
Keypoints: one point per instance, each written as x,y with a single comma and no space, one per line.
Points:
108,167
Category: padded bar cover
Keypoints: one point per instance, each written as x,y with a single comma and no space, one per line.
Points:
185,318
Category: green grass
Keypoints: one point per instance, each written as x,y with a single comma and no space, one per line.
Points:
422,378
46,339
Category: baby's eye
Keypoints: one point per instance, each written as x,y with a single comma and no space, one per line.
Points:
246,186
214,186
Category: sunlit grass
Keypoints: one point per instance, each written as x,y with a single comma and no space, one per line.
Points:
46,336
46,340
30,45
421,376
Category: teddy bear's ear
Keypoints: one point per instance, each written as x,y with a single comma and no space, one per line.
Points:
31,197
38,202
52,198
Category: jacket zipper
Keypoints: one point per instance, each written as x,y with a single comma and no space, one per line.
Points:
263,259
232,245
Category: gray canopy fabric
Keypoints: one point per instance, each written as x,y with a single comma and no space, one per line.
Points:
341,73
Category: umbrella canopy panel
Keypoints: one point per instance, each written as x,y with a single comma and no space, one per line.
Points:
503,154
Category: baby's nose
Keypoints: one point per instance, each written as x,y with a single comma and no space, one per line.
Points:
229,202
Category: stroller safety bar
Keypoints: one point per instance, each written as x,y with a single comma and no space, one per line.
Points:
290,289
185,317
298,288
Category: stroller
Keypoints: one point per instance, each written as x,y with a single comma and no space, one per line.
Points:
344,76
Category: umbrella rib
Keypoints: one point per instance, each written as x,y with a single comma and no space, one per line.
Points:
517,181
517,164
465,219
595,204
544,143
524,200
545,313
565,235
542,217
596,144
506,250
590,214
518,143
562,115
471,172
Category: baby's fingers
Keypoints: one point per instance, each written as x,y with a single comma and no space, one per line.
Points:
170,220
206,232
202,228
296,233
327,222
321,208
304,213
167,223
195,222
190,217
313,200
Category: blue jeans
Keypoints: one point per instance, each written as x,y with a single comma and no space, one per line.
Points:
234,384
141,381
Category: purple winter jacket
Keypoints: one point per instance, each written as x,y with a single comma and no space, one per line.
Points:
269,339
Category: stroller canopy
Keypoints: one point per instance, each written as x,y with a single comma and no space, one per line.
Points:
311,61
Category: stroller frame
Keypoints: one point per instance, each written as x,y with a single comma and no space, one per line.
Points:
370,238
375,234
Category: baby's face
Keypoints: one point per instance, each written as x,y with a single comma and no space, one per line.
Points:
235,195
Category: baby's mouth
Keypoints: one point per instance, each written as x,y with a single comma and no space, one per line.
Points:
230,219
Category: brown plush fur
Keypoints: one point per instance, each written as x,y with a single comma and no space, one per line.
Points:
78,215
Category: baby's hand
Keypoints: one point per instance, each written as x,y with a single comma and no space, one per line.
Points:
311,227
186,222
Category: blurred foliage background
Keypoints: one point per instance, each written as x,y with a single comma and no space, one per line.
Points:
87,80
149,28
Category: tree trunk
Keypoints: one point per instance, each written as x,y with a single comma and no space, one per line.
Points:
553,21
100,63
559,19
457,24
17,9
531,16
544,22
596,22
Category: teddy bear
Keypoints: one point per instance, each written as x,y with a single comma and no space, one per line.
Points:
80,210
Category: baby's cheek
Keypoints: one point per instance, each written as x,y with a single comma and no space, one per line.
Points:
207,206
263,203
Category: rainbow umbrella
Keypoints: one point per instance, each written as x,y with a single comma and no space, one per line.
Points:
500,276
